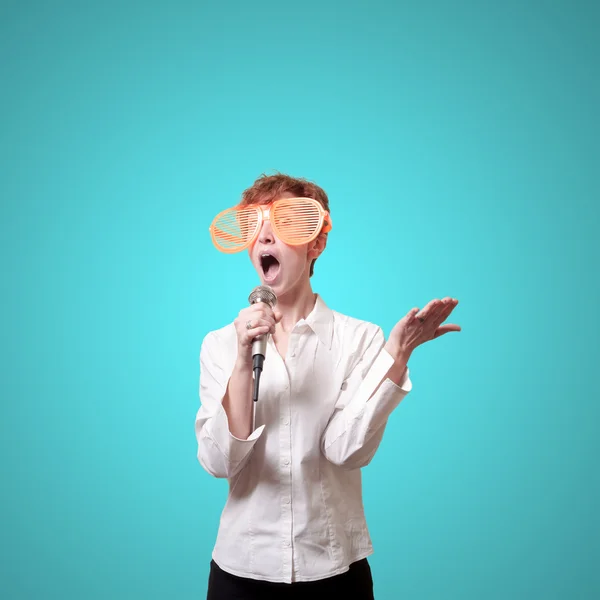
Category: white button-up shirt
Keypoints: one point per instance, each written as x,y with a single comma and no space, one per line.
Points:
294,510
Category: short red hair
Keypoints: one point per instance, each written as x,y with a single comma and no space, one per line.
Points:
270,187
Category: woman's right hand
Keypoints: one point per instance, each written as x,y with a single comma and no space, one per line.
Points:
251,322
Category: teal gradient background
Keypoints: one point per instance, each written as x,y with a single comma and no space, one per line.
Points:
458,142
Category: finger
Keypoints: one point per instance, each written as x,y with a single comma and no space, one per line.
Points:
277,316
426,312
259,322
446,329
261,311
249,327
452,304
444,310
251,334
437,311
411,314
268,316
441,311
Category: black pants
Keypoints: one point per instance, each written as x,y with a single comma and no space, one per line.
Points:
355,584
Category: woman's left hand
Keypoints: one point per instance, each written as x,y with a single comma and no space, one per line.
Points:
420,326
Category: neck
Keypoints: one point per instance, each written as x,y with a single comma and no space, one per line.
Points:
294,305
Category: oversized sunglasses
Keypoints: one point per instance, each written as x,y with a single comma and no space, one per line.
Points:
295,221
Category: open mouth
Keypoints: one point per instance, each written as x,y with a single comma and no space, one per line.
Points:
269,265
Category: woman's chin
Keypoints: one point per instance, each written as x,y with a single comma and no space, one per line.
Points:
279,286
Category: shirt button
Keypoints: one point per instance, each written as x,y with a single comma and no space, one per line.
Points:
286,422
286,500
286,462
287,543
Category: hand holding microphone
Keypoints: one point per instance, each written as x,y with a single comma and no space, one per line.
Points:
253,325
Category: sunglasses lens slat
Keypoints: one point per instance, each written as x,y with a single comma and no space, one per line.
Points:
233,229
296,221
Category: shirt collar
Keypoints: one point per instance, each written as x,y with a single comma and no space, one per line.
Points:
320,320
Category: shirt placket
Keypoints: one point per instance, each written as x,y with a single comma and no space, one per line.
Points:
285,470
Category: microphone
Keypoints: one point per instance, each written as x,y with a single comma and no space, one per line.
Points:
262,293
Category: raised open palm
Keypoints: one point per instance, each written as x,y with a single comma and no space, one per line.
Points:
420,326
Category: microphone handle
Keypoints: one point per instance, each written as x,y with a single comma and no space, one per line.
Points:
257,366
259,351
259,345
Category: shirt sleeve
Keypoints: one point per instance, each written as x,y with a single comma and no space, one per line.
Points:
219,452
356,426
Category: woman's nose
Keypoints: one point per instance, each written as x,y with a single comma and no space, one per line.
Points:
266,235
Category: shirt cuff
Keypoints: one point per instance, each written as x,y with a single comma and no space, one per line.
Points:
405,384
234,449
389,394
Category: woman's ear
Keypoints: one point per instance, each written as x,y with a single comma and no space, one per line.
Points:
318,245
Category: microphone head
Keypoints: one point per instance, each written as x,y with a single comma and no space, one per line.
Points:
263,293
